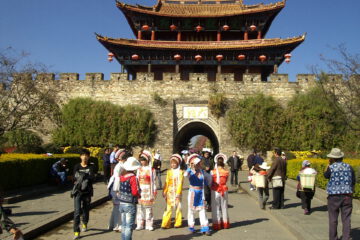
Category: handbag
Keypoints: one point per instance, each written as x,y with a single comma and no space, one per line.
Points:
277,182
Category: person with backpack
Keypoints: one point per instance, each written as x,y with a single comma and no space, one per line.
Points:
82,192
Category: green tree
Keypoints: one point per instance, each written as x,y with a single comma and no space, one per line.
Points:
256,122
312,122
86,122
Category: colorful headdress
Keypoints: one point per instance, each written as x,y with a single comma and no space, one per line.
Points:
194,158
146,155
176,157
220,155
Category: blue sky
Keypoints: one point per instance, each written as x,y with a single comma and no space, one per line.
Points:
60,34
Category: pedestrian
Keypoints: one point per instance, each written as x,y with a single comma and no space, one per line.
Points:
306,194
250,164
234,163
262,184
6,223
277,175
183,164
129,194
207,165
146,177
219,194
113,161
340,189
196,196
60,170
157,167
114,188
106,165
172,192
82,192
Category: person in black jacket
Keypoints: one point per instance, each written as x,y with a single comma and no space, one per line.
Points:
235,165
82,192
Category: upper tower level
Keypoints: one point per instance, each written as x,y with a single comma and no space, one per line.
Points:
199,20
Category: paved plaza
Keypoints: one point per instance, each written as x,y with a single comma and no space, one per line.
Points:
54,211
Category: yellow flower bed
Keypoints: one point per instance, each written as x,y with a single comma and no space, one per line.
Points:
27,156
320,165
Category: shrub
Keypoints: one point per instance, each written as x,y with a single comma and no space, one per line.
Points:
294,166
86,122
25,141
255,122
159,100
217,104
21,170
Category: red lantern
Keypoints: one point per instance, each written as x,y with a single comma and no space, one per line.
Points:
287,60
288,55
241,57
226,27
110,54
173,27
219,57
145,27
177,57
198,58
252,27
135,57
262,58
110,59
199,28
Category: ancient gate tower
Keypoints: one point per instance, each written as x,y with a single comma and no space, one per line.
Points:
187,49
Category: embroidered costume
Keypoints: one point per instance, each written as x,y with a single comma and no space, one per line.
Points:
172,192
146,178
219,195
198,179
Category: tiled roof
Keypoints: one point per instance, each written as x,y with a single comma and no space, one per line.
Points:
202,45
200,10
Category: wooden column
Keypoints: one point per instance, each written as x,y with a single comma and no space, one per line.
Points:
246,35
149,67
179,36
122,68
152,35
259,35
177,67
139,35
218,36
275,68
219,68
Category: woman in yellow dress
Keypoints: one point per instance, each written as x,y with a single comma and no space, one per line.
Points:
172,192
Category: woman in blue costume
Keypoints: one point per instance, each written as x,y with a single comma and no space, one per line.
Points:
196,198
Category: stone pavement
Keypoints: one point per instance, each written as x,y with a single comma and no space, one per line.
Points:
247,222
314,226
46,210
54,210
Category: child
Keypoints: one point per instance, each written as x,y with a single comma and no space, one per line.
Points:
305,194
219,194
82,192
114,188
172,192
146,178
128,197
198,179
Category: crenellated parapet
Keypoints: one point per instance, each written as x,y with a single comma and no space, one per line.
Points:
69,76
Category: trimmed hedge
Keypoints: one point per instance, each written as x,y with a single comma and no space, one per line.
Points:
294,166
22,170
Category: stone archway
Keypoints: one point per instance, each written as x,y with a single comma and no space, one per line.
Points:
192,129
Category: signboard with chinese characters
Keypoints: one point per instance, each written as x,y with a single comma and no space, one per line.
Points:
195,112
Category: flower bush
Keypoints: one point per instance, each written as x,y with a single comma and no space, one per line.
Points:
320,165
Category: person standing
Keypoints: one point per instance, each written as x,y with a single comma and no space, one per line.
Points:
106,165
261,168
219,194
82,192
157,167
196,194
340,189
113,161
305,194
173,192
277,175
207,165
146,178
250,163
128,195
234,163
